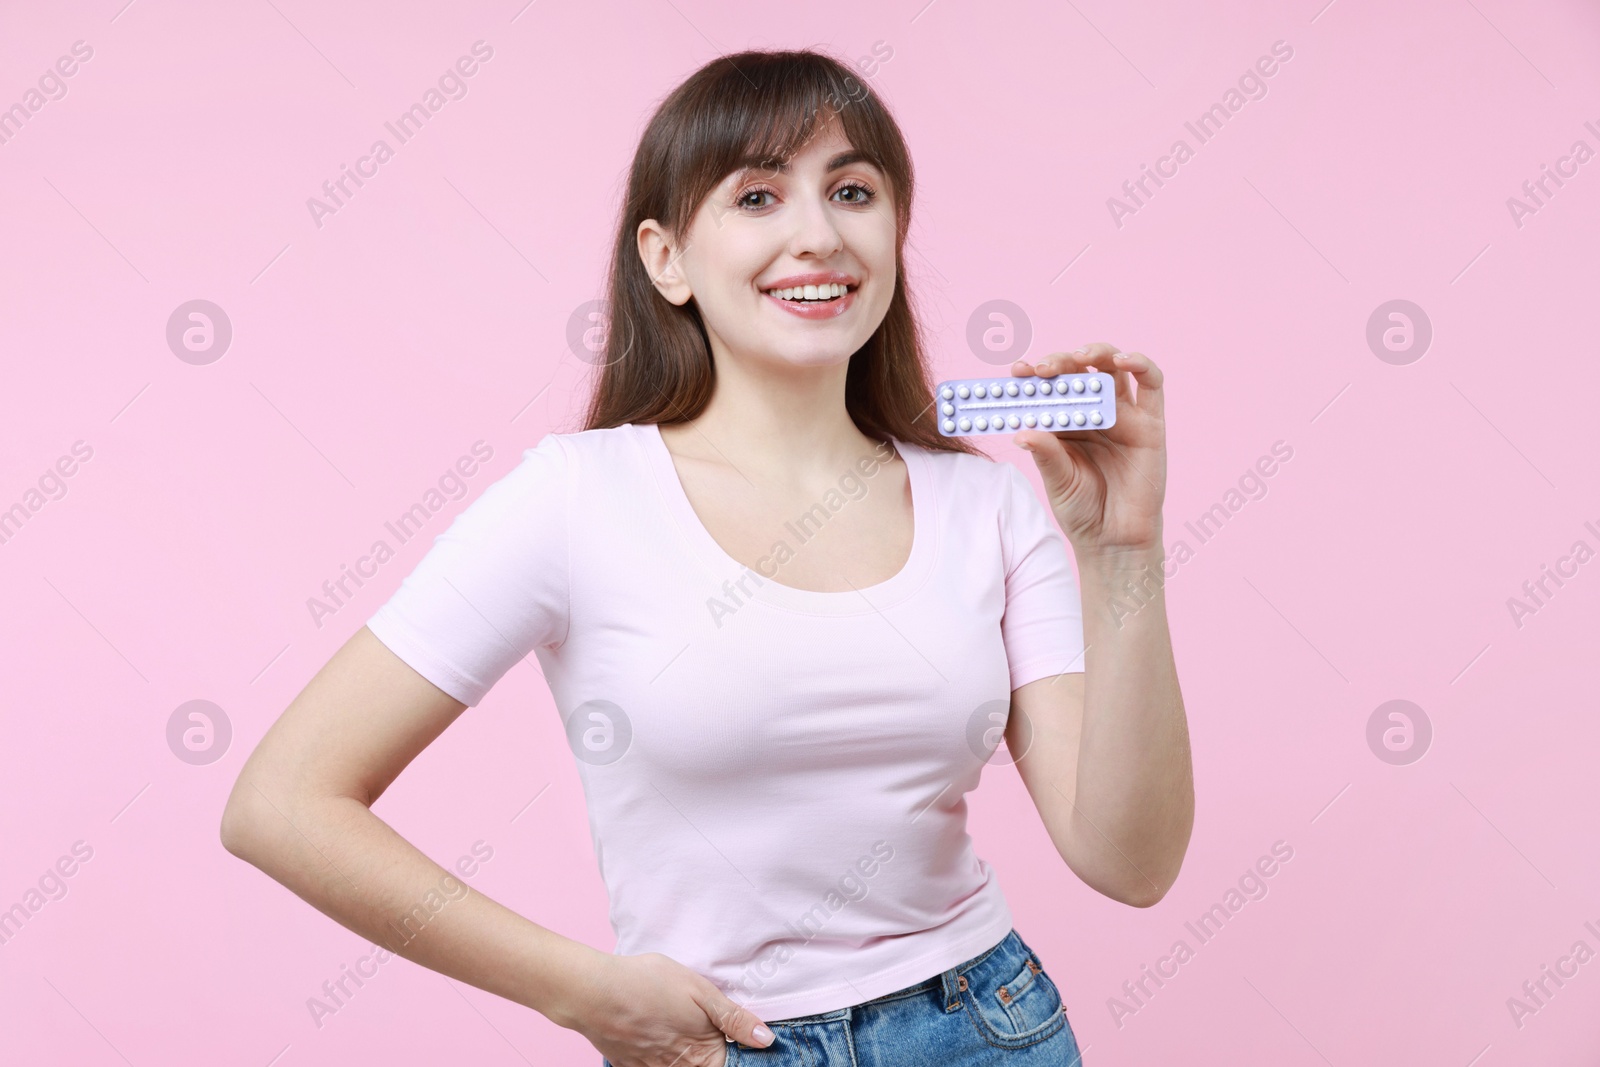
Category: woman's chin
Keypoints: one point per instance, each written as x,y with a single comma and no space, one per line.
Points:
810,357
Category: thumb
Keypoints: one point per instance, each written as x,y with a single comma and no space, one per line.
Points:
738,1023
1057,467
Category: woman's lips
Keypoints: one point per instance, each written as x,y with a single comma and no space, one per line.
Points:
816,309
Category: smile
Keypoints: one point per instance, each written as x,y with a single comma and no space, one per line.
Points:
820,293
825,301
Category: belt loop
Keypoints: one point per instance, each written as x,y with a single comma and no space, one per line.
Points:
951,985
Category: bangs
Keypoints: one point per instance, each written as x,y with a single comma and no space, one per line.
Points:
755,124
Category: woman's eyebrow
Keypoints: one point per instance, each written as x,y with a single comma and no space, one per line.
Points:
843,159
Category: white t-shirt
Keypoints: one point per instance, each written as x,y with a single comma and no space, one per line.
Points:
775,777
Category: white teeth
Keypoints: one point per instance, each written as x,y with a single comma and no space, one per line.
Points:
810,292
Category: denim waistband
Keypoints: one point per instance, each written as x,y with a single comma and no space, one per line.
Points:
948,983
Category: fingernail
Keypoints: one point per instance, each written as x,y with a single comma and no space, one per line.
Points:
762,1034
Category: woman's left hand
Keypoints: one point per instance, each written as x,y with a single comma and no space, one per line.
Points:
1106,486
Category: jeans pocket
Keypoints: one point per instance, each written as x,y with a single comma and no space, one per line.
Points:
1013,998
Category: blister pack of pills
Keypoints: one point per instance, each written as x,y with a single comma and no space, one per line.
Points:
1004,405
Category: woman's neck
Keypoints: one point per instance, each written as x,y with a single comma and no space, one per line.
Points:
787,423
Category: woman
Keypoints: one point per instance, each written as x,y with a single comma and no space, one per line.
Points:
785,622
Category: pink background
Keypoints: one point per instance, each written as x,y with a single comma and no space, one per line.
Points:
431,312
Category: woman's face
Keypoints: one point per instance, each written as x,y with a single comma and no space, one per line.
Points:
824,218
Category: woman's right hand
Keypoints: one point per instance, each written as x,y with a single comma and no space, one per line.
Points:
650,1010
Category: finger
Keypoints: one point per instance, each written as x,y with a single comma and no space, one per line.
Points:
1149,378
1060,363
1059,461
738,1023
1099,356
1096,355
1102,356
1099,353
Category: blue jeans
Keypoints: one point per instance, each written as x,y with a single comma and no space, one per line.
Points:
997,1008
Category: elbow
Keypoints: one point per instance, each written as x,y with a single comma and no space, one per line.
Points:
1141,896
239,830
1147,890
1119,880
235,829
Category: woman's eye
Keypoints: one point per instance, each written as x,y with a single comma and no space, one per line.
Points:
863,193
744,197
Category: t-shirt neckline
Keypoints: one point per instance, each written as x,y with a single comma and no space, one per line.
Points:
924,539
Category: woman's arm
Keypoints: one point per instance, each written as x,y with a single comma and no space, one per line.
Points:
1105,753
1108,763
300,811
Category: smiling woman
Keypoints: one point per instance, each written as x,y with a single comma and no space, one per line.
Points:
761,347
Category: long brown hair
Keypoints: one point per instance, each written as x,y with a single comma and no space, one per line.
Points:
762,105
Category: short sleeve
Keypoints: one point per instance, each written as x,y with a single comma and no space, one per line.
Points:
1043,622
494,585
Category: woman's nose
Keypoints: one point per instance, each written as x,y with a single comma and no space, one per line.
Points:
815,231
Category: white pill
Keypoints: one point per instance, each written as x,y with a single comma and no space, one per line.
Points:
949,426
1094,417
1077,417
947,392
1077,385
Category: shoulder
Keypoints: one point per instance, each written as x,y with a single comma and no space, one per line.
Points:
982,491
969,477
592,450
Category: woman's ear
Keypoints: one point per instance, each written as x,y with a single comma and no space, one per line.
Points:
661,262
